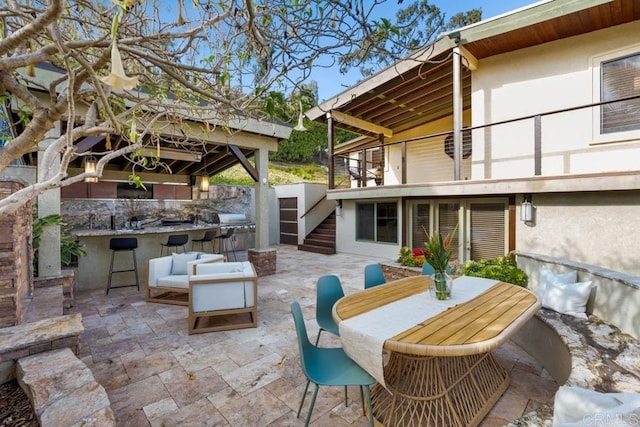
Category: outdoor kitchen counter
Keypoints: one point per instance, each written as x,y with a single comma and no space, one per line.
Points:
93,269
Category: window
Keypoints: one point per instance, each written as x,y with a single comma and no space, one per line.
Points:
620,78
377,222
419,223
447,221
487,230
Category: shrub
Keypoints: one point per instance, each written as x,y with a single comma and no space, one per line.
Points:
411,258
69,246
503,268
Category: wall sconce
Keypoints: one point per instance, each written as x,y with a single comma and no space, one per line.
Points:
526,209
90,166
339,207
203,185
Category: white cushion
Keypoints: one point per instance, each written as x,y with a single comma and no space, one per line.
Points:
567,298
179,262
221,267
575,406
173,281
547,276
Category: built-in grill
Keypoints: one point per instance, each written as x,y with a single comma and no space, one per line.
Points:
229,219
243,230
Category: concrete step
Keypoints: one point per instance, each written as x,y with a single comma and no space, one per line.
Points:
320,242
317,249
63,391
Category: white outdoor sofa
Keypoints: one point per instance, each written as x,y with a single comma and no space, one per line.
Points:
223,296
169,276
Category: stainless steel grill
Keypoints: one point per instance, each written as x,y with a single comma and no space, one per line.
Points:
226,219
244,231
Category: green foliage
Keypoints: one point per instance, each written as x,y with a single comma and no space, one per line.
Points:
231,180
69,246
503,268
438,249
411,258
414,27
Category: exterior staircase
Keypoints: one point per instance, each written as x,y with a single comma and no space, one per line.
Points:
322,239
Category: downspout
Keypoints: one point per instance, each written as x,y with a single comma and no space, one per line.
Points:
457,114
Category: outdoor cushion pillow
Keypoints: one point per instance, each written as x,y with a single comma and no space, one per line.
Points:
575,407
567,298
179,262
548,276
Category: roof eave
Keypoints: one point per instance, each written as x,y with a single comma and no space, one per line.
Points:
510,21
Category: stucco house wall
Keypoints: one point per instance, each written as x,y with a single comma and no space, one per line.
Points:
599,228
549,77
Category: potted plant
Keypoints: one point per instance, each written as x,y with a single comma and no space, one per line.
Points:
437,253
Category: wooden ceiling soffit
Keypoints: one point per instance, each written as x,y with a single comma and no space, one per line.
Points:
436,101
173,154
529,16
364,125
251,170
87,143
396,96
419,101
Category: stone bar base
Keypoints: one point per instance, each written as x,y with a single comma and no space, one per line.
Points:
264,261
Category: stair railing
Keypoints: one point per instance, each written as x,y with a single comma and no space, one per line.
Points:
314,206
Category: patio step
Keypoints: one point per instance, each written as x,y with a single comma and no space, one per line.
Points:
317,249
322,239
63,391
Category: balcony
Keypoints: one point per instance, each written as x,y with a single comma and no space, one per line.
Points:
557,151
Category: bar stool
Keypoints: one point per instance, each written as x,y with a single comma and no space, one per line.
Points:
120,244
222,243
175,241
209,236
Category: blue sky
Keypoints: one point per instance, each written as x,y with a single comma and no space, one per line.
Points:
331,83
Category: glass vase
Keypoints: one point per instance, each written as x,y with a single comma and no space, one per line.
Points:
442,285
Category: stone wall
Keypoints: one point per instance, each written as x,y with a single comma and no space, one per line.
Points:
81,213
395,271
37,337
16,252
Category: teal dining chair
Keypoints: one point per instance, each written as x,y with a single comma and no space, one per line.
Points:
328,291
328,367
373,276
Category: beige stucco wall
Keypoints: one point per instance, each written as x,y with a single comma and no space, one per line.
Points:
308,194
545,78
346,234
594,228
426,159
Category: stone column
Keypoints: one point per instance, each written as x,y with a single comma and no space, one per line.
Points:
262,257
48,204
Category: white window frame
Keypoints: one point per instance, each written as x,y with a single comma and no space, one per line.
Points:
596,63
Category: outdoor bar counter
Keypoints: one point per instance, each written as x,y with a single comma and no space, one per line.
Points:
93,269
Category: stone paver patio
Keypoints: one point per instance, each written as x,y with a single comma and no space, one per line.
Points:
155,374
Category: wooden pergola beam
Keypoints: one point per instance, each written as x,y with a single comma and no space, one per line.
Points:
361,124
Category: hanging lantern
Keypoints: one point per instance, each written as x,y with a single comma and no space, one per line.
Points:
90,166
